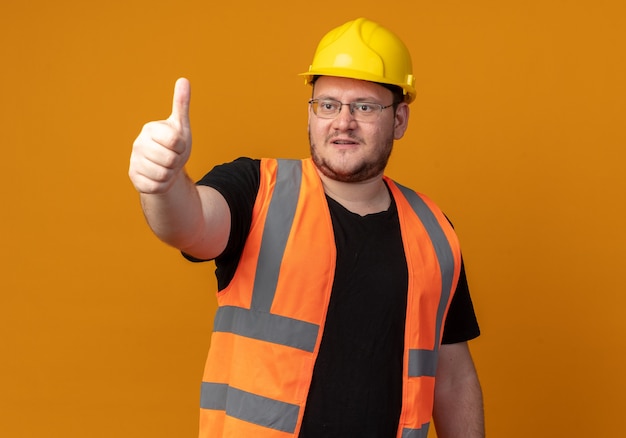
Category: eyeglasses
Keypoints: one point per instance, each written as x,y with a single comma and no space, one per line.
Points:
361,111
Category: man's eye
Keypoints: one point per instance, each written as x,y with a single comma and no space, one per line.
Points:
364,107
328,106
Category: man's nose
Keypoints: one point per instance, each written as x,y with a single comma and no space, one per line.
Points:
345,116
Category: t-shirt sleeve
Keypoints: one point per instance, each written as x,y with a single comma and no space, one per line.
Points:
238,182
461,324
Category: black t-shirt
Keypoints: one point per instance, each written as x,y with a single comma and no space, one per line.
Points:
356,388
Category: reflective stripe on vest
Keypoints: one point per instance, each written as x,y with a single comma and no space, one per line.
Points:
424,362
249,407
416,433
259,323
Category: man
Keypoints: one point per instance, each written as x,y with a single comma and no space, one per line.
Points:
334,281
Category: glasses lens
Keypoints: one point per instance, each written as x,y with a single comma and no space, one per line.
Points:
365,110
327,109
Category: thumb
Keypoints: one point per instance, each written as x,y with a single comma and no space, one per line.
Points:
180,104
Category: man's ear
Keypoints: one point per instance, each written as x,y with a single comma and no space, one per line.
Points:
401,121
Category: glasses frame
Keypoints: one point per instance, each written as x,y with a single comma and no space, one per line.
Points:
351,106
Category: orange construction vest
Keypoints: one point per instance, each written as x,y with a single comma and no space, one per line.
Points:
270,319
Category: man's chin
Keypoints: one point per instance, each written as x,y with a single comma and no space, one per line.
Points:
343,171
345,174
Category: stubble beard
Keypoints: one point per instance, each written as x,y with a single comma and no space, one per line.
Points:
364,171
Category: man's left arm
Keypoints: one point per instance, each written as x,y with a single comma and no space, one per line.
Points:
458,409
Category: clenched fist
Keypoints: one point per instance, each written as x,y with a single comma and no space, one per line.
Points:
163,147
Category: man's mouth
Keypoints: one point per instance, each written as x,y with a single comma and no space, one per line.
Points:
344,141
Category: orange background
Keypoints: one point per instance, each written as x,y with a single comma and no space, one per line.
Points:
517,132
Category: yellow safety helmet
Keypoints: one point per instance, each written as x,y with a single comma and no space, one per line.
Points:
362,49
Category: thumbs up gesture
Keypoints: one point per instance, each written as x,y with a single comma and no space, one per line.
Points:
162,149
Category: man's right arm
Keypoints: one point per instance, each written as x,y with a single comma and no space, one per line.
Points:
194,219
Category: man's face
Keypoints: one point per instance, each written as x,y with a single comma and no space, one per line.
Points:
348,150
